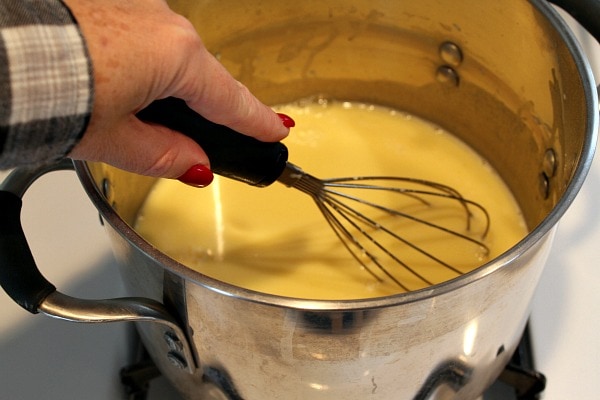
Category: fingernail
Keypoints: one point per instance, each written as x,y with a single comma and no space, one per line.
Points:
198,176
288,122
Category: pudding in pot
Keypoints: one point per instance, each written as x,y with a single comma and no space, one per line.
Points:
275,240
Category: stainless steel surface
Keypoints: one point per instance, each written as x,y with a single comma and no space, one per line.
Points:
160,326
296,348
50,359
566,308
583,328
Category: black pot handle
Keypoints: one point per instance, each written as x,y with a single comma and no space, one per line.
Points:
24,283
19,275
586,12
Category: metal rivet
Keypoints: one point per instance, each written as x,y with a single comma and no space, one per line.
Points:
549,163
451,54
447,75
173,341
106,187
177,359
544,184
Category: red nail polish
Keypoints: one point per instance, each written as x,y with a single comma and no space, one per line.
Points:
198,176
288,122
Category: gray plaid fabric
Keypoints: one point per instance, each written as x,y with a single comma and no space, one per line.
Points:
46,84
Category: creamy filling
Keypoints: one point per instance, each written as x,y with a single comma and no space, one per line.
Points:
275,240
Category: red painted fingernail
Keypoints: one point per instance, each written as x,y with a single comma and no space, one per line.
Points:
288,122
198,176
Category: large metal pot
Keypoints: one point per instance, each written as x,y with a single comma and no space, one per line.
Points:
506,77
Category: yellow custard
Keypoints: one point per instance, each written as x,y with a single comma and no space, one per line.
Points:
275,240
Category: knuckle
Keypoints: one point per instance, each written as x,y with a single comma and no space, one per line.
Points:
163,166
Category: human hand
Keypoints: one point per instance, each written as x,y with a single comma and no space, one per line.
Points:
142,51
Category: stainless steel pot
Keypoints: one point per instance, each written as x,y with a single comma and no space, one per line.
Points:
506,77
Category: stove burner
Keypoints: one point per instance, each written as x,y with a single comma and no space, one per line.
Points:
519,380
136,378
520,374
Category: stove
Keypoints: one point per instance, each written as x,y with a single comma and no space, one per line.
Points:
519,380
42,358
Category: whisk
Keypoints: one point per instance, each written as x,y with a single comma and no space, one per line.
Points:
375,234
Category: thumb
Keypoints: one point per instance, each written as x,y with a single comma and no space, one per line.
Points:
143,148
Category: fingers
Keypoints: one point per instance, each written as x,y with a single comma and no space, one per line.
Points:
222,99
160,56
142,148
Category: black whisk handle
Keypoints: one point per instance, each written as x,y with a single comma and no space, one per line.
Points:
231,153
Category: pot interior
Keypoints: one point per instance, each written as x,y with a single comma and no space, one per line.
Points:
501,77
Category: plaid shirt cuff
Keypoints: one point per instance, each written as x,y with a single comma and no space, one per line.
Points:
46,84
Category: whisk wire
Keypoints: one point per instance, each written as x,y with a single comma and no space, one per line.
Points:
352,245
350,224
344,210
444,191
418,194
316,189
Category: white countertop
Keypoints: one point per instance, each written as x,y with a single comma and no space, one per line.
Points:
41,358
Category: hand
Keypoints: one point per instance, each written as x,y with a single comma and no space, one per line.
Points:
142,51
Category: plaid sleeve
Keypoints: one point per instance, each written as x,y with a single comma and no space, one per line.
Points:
46,84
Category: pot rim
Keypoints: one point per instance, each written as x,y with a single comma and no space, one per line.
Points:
535,236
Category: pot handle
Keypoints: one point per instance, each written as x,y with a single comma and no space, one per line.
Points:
25,284
586,12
